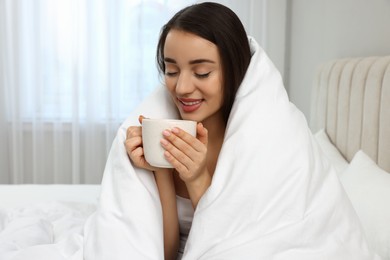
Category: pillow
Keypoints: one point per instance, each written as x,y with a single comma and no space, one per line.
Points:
334,156
368,188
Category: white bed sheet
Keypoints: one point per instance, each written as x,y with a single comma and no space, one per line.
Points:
27,194
44,221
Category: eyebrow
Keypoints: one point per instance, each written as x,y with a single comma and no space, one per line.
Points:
192,62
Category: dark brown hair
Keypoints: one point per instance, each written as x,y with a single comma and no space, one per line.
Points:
221,26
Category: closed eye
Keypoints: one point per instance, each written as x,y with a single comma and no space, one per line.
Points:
170,74
202,76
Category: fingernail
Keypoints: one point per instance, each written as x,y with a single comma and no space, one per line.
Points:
166,133
175,130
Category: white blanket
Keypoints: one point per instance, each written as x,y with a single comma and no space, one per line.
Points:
272,195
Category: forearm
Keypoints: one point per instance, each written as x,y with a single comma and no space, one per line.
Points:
197,187
165,184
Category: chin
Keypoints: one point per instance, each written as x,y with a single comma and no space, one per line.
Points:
192,117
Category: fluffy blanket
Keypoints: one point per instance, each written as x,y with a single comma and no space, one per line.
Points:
273,196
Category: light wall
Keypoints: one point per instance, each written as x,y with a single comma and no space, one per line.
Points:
316,31
276,33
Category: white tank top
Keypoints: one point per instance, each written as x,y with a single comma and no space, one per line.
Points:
185,213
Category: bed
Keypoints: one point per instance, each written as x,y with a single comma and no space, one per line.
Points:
350,116
350,119
34,216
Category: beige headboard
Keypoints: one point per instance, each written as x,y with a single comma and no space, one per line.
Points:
351,100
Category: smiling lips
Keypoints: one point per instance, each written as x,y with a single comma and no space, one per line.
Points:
190,105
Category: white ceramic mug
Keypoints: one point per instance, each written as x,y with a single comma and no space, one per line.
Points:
152,130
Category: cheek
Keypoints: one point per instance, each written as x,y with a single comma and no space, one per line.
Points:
218,91
219,95
220,100
170,84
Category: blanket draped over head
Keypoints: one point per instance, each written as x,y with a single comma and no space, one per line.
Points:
273,196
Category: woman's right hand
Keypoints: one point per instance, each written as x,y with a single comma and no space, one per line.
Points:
134,147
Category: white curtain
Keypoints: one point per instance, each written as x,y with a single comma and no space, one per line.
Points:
70,72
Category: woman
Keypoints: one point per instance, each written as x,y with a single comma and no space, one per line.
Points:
203,64
253,184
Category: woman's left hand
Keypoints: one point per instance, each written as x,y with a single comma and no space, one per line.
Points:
186,153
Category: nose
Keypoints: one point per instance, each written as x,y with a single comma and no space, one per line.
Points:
184,84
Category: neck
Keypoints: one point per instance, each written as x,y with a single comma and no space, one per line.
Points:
216,131
215,126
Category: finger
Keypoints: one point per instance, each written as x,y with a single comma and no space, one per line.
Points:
140,118
182,153
132,143
173,142
133,131
176,163
184,140
137,152
138,158
176,146
202,134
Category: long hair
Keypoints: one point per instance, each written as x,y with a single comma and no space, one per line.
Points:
221,26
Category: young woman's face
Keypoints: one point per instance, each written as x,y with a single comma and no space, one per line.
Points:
193,75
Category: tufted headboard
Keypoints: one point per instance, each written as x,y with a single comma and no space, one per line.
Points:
351,101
